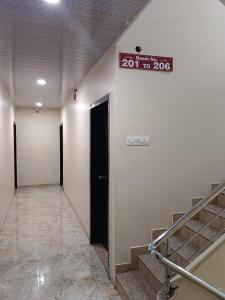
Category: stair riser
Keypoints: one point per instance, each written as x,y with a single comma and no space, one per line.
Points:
121,291
178,261
176,258
133,286
206,216
215,185
157,232
196,201
177,216
221,200
187,234
156,285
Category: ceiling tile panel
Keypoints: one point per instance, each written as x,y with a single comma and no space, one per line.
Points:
59,43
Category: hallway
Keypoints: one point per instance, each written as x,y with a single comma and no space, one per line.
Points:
45,254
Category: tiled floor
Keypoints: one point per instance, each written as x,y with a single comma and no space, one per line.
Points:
103,255
45,254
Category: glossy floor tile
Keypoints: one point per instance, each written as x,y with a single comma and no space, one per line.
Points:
103,255
45,254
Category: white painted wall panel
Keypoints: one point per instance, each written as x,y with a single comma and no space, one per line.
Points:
38,146
183,113
6,153
76,122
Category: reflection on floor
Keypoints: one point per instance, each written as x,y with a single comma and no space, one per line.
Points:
103,255
45,254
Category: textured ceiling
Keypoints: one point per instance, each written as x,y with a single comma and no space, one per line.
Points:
57,42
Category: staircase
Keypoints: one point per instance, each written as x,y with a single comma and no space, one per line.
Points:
147,280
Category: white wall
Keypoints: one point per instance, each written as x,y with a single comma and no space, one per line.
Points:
76,122
183,112
6,153
37,146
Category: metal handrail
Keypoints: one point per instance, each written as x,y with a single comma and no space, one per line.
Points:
199,233
186,217
199,281
173,229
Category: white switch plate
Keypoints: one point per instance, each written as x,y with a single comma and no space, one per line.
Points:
138,140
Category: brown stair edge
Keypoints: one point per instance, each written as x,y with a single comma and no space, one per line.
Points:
133,285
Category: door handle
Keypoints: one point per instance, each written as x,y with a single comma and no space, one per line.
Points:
101,177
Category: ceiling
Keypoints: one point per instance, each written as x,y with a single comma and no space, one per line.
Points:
59,43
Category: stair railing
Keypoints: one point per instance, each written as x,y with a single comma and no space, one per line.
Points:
164,239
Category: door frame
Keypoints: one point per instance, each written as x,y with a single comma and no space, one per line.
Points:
15,155
100,101
61,153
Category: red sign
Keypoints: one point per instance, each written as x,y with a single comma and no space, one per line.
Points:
146,62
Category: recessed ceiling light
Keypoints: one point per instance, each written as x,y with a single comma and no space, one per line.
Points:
81,107
41,82
39,104
52,1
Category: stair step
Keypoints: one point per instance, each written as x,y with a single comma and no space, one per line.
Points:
134,286
196,225
185,253
214,209
221,199
209,212
154,266
146,282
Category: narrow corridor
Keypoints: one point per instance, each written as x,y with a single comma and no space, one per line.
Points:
45,254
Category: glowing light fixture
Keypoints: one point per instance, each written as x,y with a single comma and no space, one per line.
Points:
53,1
81,107
39,104
41,82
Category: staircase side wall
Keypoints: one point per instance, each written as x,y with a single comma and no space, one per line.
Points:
183,113
212,269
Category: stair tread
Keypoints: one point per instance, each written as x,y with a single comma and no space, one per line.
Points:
185,253
155,266
215,209
135,286
197,225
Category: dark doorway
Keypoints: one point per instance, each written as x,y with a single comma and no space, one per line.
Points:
100,173
61,154
15,156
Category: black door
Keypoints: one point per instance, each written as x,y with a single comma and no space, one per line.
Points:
99,174
15,156
61,154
